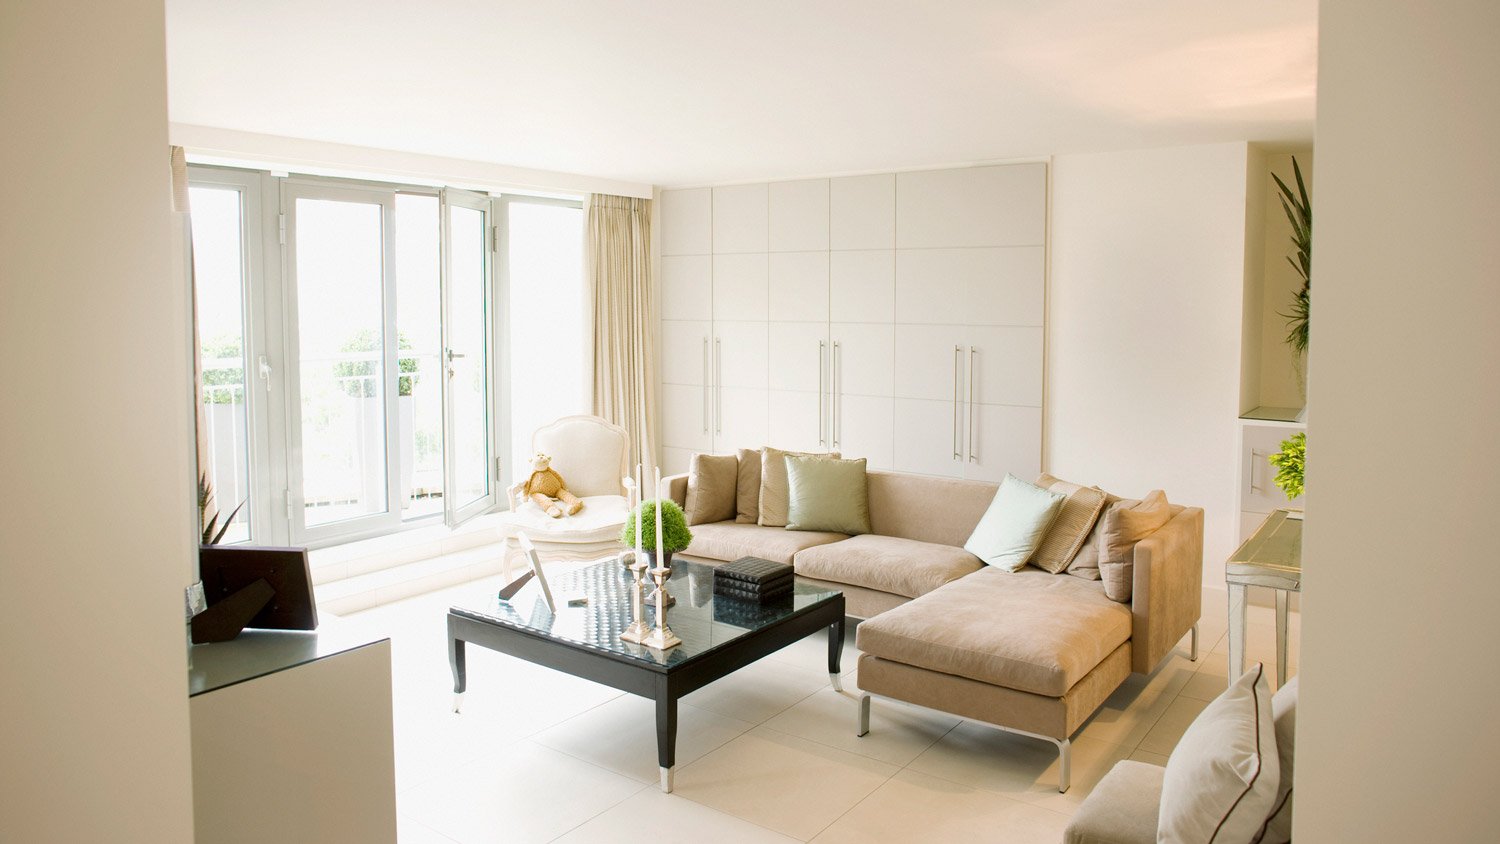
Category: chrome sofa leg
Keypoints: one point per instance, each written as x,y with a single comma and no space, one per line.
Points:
1064,765
862,714
1193,649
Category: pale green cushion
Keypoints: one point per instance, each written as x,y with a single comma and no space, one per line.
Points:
826,494
1010,531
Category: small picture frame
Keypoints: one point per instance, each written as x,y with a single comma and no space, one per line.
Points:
536,569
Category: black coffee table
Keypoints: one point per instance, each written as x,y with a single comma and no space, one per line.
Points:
719,635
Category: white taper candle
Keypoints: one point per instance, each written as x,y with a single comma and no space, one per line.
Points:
640,502
660,560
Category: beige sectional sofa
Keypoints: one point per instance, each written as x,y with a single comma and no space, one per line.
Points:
1031,652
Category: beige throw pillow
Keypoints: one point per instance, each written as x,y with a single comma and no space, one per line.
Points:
747,495
1119,580
827,495
773,484
1085,563
1278,827
1080,510
1221,779
1129,523
711,488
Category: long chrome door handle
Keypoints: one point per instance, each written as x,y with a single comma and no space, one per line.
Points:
718,387
822,390
973,361
836,396
957,364
706,387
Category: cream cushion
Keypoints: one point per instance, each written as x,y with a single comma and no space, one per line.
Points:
1085,563
1080,510
1221,779
1119,579
1013,526
773,484
1278,827
600,519
731,541
1025,630
1130,522
747,487
1121,809
941,510
711,488
887,564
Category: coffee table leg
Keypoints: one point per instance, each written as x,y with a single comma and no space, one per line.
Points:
835,653
666,733
460,678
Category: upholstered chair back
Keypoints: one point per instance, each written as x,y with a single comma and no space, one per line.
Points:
587,451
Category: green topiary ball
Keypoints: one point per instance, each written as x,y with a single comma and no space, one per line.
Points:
675,534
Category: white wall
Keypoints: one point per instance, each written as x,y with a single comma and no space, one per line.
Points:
96,504
1396,733
1147,276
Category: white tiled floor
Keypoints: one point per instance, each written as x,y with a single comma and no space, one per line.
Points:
767,754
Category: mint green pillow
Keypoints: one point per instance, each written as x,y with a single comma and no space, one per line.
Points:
1014,525
824,493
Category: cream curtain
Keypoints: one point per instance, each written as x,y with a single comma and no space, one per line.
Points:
182,235
618,261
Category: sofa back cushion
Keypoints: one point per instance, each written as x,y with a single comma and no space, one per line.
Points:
711,488
940,510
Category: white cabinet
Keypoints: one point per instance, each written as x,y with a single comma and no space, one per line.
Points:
740,219
1258,493
799,216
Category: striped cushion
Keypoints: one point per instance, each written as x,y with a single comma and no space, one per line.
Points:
1080,510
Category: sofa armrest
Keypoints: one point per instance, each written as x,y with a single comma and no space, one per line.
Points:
675,488
1166,589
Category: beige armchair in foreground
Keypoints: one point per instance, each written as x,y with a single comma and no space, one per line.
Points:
590,454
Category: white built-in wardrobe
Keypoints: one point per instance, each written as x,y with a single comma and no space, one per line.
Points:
896,317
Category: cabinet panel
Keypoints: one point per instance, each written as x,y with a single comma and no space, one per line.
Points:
862,286
932,284
864,358
930,362
864,427
1012,290
740,221
862,212
742,353
926,438
797,361
1005,365
740,287
684,352
1258,490
977,206
686,222
799,215
686,287
799,286
675,461
742,419
685,414
1004,440
797,423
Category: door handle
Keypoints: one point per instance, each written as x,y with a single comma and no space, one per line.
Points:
706,387
836,396
973,352
718,387
452,355
957,364
265,372
822,390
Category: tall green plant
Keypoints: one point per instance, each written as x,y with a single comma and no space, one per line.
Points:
1298,210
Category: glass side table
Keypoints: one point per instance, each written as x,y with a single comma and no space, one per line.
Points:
1271,557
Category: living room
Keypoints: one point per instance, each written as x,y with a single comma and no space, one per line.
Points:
366,260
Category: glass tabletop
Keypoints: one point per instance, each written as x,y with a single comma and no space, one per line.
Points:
705,622
1275,549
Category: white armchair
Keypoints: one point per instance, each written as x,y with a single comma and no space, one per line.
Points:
590,454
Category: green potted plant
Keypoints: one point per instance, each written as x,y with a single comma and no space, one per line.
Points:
1290,463
1298,210
675,535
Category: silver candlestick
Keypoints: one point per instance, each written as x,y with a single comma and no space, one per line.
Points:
661,636
637,630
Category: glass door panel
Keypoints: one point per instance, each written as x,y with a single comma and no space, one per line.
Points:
419,354
342,456
467,355
219,263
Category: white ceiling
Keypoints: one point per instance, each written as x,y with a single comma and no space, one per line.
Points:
707,91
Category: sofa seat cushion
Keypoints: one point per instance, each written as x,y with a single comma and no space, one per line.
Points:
1025,630
731,541
887,563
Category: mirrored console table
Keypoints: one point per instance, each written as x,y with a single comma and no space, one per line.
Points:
1271,557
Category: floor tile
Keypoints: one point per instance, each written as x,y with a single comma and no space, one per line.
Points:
898,733
651,817
410,832
1173,723
759,691
917,807
527,793
1017,766
791,785
1130,712
620,736
811,652
1148,757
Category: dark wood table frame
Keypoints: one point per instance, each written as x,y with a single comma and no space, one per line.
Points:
661,683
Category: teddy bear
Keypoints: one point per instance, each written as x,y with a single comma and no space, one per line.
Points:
545,485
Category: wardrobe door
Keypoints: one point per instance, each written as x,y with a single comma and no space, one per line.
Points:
799,357
928,437
686,328
1003,440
